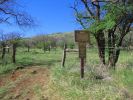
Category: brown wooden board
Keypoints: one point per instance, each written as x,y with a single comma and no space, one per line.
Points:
82,50
81,36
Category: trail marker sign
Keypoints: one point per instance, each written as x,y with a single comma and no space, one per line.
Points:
82,37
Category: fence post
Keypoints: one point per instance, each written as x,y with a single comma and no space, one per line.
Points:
64,55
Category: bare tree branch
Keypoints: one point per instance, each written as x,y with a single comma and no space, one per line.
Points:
87,7
9,12
3,1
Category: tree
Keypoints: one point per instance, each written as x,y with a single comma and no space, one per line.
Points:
118,23
112,17
46,43
88,16
14,38
11,14
128,40
3,41
41,41
28,43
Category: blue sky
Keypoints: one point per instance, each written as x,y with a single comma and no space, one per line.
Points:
52,16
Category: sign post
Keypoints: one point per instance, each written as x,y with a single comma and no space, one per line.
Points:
82,37
82,67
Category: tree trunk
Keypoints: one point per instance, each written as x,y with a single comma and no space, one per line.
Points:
3,50
101,46
49,48
113,51
111,48
28,48
118,50
44,48
8,50
14,53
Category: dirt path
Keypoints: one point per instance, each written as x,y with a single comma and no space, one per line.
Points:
25,84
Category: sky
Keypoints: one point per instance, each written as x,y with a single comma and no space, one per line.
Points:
51,16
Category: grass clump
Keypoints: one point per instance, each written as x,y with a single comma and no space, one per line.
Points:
7,68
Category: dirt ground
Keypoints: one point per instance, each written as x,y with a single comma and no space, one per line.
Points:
30,83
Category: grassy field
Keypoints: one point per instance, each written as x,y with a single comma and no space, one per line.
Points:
65,83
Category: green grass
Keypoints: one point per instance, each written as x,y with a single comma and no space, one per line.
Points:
7,68
73,88
67,82
3,90
36,57
38,90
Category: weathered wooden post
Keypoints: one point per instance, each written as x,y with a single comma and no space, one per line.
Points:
82,37
64,55
14,47
3,50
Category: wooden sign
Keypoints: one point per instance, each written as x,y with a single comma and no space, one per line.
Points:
81,36
82,50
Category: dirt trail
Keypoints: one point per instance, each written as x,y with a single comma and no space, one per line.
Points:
25,84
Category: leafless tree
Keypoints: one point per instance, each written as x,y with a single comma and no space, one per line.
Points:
10,13
28,43
14,38
3,41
